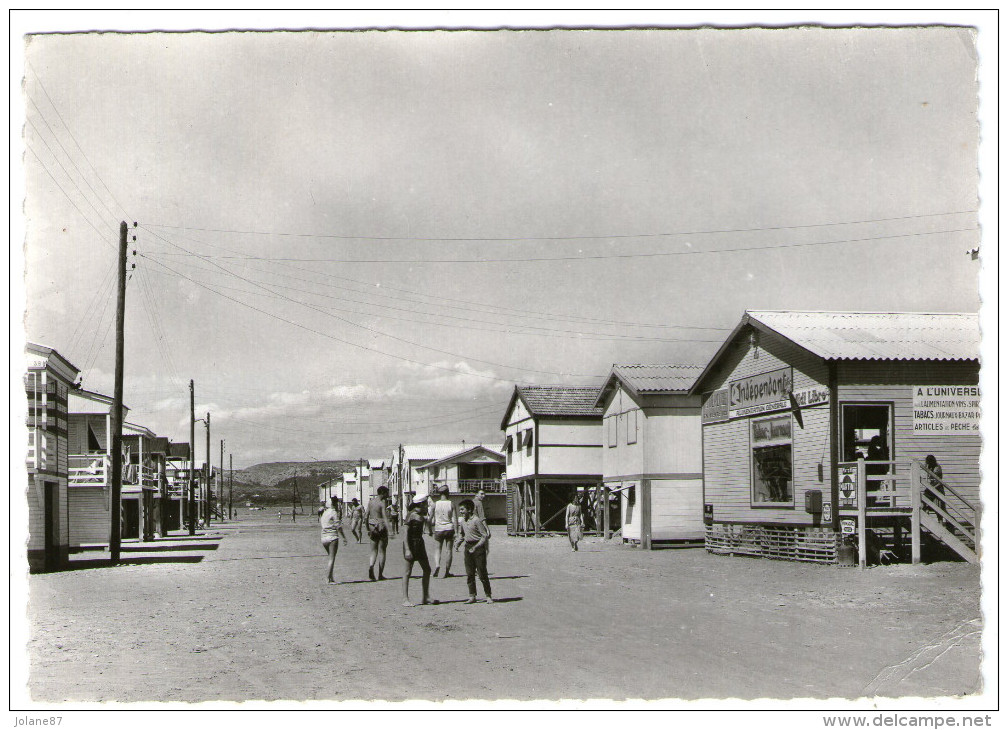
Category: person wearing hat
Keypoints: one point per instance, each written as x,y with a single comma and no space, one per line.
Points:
414,550
444,522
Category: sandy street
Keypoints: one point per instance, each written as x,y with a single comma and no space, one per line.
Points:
243,613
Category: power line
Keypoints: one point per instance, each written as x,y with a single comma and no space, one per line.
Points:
476,239
594,257
72,137
364,327
374,349
400,429
69,157
504,311
499,327
106,282
65,193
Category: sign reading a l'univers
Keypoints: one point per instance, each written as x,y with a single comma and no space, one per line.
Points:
946,410
760,393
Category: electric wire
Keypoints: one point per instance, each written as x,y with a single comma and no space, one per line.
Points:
70,199
500,327
379,332
477,239
371,349
67,153
490,309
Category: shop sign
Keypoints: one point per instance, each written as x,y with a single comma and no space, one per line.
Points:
827,511
770,430
946,410
847,479
814,396
760,393
715,408
848,527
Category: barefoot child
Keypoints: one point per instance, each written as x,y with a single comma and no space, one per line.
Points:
414,549
473,534
331,531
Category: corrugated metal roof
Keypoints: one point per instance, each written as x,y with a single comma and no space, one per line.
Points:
878,335
561,400
420,452
659,378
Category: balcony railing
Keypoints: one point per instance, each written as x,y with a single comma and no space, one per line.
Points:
88,470
472,486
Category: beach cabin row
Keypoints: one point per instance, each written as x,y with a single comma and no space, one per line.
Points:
69,468
766,449
466,470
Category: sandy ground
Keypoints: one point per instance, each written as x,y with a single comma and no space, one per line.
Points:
243,613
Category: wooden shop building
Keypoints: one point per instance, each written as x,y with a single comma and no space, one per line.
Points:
826,427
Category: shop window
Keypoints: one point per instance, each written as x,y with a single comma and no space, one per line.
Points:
772,468
631,432
528,441
518,440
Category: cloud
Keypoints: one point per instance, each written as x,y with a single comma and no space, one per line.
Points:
451,380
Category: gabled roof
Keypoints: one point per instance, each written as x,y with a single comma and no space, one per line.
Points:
80,401
178,450
461,456
570,401
430,452
651,379
376,463
868,335
34,348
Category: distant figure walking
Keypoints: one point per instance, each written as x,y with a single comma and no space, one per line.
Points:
332,529
378,532
575,522
393,515
279,515
414,550
356,518
474,535
445,524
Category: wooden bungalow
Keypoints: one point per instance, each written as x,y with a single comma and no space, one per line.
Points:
407,473
90,471
466,473
177,478
652,454
49,379
552,447
818,428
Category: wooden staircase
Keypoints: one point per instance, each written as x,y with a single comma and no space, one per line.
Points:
946,515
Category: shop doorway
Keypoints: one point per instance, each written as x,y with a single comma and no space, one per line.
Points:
866,432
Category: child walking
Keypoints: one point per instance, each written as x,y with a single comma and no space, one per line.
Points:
473,533
414,550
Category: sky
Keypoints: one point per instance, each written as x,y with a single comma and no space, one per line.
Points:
350,241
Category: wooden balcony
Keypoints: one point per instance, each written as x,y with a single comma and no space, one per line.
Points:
472,486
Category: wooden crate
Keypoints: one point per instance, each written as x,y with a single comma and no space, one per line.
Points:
778,543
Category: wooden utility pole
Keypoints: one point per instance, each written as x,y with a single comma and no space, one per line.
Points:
115,501
296,500
206,475
220,481
191,511
230,486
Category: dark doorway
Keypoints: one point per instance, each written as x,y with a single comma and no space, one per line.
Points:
51,526
130,518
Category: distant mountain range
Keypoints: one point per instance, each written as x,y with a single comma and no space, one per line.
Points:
273,483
